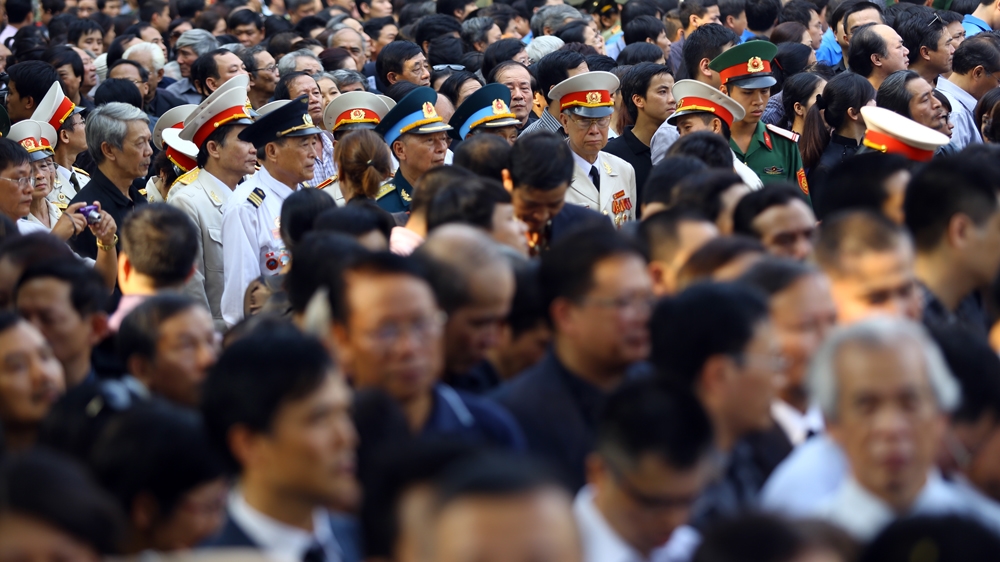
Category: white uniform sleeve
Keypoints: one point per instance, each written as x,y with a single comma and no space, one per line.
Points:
241,264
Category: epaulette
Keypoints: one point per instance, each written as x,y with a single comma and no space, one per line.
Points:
386,189
256,197
790,135
142,192
79,171
327,182
61,206
188,177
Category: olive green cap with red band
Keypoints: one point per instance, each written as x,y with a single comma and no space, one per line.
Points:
747,65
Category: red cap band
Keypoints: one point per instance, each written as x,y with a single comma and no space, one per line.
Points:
592,98
891,145
182,161
220,119
356,115
62,113
702,104
743,69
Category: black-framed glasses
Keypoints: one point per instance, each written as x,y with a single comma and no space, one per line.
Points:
442,67
645,500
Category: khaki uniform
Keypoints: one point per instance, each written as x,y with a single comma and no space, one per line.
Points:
617,196
201,196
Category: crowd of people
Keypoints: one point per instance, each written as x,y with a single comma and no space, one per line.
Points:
512,281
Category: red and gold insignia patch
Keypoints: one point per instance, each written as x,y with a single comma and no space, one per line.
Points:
429,111
801,177
357,114
499,107
593,97
755,64
28,143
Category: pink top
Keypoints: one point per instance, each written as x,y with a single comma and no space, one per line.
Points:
403,242
127,304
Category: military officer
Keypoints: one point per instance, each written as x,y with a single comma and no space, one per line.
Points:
251,219
418,138
37,138
891,133
350,112
601,181
223,160
771,152
64,117
181,155
487,110
700,107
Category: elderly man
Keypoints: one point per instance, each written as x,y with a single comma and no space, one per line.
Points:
118,140
974,68
293,85
191,45
886,391
877,51
264,73
285,140
302,60
157,100
215,68
353,42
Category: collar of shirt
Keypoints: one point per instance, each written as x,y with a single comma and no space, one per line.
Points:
63,172
184,86
582,163
222,191
864,515
266,180
634,144
54,214
974,21
548,122
796,424
448,412
127,304
588,397
961,96
756,141
282,541
600,542
100,181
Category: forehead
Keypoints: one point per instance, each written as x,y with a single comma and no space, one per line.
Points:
302,83
880,367
124,70
875,269
419,58
513,73
918,86
52,287
793,214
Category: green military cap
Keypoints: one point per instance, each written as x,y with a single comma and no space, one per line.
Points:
747,65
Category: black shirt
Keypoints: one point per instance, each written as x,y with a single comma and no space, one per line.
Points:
161,102
100,188
629,148
840,149
969,314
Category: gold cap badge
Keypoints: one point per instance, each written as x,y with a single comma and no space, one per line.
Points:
307,120
593,97
429,111
357,114
755,65
499,107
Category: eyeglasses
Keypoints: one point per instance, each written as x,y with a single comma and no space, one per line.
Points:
642,303
22,182
421,329
268,68
586,124
443,67
644,500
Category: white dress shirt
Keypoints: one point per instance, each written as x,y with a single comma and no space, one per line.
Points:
807,477
280,541
796,425
602,544
251,237
963,107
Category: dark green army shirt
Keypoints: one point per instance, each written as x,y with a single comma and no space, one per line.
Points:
773,157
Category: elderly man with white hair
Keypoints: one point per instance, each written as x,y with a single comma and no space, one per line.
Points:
886,392
191,45
157,100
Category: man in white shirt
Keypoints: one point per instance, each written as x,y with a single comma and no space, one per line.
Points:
251,220
652,460
278,409
974,68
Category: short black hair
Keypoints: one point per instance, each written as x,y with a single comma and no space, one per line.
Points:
373,27
436,25
120,90
253,380
61,55
922,28
642,28
32,78
636,8
567,268
492,475
851,8
706,42
601,62
316,262
281,88
772,275
17,10
392,57
539,160
703,191
373,264
798,11
892,93
554,67
453,84
666,174
659,233
156,449
636,82
638,53
756,202
762,14
244,17
299,212
189,8
858,183
944,188
768,537
140,329
864,43
162,242
449,7
730,8
950,537
53,488
483,155
708,147
854,233
87,290
356,219
975,366
149,8
12,153
498,52
470,203
705,320
143,73
205,67
982,50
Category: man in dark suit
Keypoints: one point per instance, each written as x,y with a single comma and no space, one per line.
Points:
277,407
599,296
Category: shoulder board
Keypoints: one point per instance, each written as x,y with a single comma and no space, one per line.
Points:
790,135
386,189
327,182
79,171
188,177
256,197
142,192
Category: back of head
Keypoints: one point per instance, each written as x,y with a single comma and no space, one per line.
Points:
540,160
252,381
433,182
161,242
947,187
660,232
864,43
483,155
316,261
762,14
859,183
640,52
666,174
453,254
491,475
751,538
717,255
120,90
756,202
567,268
950,538
554,68
706,42
851,234
363,157
706,146
976,367
705,320
356,219
470,203
299,212
983,50
704,190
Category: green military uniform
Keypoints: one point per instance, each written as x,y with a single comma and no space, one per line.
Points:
394,196
773,155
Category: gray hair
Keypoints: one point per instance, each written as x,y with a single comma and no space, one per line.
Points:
541,46
109,124
879,331
155,54
199,40
337,20
347,77
340,27
475,30
552,17
287,63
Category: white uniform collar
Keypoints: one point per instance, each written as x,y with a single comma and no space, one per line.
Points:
601,543
795,424
585,166
281,190
281,541
864,515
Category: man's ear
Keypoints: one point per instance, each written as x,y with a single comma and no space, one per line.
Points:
704,69
724,89
717,126
108,151
638,101
876,61
140,368
925,53
392,78
98,327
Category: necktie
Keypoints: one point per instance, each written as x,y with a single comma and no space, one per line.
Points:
595,177
74,181
314,554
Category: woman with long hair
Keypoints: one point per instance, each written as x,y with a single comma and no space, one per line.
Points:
363,163
834,128
798,97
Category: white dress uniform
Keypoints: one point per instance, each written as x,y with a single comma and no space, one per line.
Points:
54,109
251,236
64,191
350,112
202,197
54,214
616,197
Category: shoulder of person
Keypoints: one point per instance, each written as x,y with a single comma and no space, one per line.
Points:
783,133
387,188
